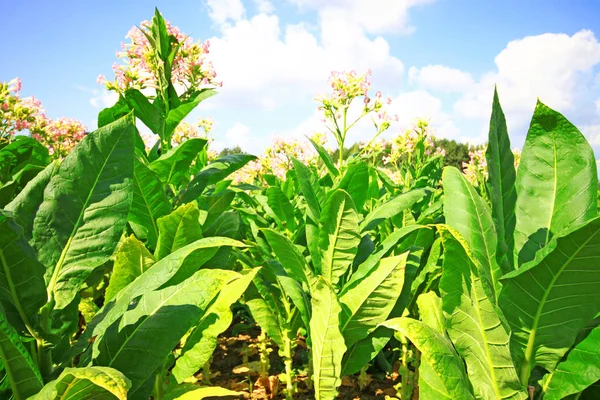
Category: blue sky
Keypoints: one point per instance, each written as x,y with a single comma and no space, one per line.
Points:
436,59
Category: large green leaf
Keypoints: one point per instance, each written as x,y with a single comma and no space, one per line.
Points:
363,351
391,208
149,202
214,172
281,206
178,229
338,235
172,167
188,391
474,325
85,208
437,351
22,285
132,259
578,371
201,343
89,383
307,182
354,182
22,373
177,114
143,109
160,275
549,300
25,205
557,182
501,185
327,342
466,212
289,256
369,301
324,154
138,342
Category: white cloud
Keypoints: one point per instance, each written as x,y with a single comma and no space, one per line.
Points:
375,16
221,11
441,78
103,98
264,6
241,135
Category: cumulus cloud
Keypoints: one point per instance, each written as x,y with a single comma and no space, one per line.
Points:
441,78
222,11
103,98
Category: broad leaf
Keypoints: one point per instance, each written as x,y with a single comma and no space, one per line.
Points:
177,115
132,259
338,235
172,167
289,256
466,212
85,208
354,182
178,229
557,183
391,208
189,391
327,341
437,351
149,202
501,185
143,109
363,351
21,371
89,383
550,299
474,325
281,206
307,183
324,154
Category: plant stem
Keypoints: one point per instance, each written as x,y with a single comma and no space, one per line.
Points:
287,361
159,390
44,351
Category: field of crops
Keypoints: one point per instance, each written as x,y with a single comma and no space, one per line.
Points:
143,265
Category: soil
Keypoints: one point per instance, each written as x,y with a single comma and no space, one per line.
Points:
228,370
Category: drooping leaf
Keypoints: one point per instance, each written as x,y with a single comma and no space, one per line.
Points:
338,235
149,202
293,289
89,383
324,154
328,345
363,351
178,229
21,371
368,302
188,391
132,344
466,212
557,182
289,256
549,300
437,351
391,208
111,114
85,208
131,260
473,324
143,109
22,285
578,371
172,167
201,343
501,185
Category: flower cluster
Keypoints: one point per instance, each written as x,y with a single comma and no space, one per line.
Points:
18,114
141,65
60,135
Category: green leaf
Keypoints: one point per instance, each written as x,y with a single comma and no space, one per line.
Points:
549,300
307,182
369,301
90,383
111,114
438,354
149,202
85,208
22,285
339,235
363,351
177,115
178,229
213,173
289,256
132,344
25,205
579,370
22,373
281,206
354,182
466,212
391,208
160,275
557,183
172,167
144,110
324,154
501,185
327,342
190,391
293,289
132,259
474,325
201,343
430,310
